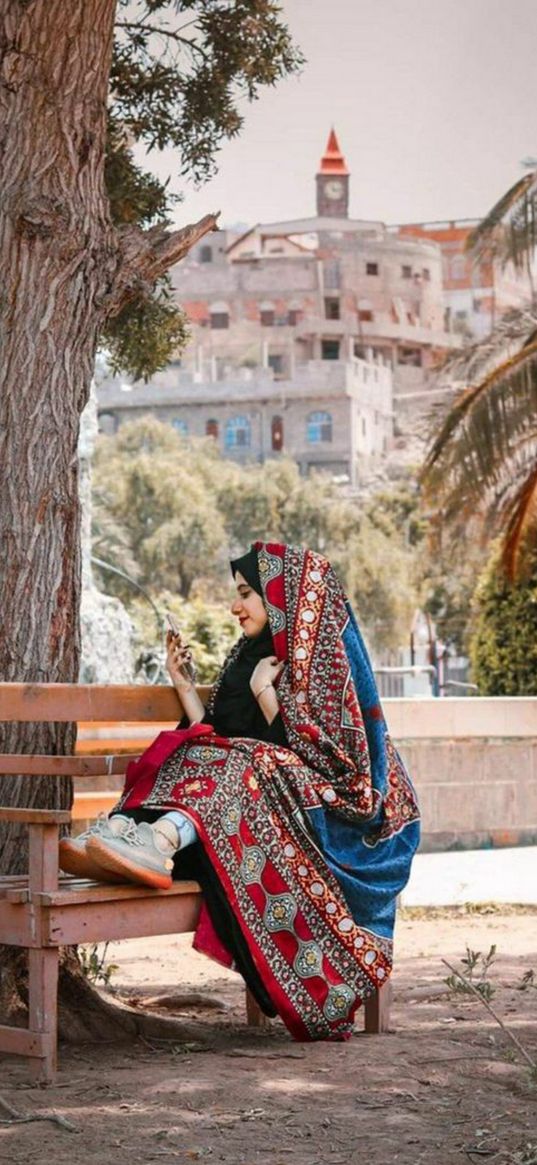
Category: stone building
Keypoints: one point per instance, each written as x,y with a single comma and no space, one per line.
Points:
308,337
476,294
325,288
334,416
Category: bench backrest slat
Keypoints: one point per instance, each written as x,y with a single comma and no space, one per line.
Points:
65,702
64,766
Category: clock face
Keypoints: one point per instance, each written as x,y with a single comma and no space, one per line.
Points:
334,188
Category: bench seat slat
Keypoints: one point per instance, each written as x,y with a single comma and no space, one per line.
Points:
36,816
80,892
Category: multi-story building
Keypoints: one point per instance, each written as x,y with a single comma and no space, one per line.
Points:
323,288
335,417
308,336
476,293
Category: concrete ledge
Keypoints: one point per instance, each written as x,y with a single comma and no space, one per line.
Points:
455,717
448,841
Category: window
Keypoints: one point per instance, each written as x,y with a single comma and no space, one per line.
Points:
267,313
371,268
275,361
332,274
410,356
211,428
277,434
107,423
406,271
426,274
180,426
458,268
206,254
329,349
237,433
293,316
332,309
219,314
319,428
219,319
365,315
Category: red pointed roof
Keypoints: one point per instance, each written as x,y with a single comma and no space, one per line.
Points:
332,161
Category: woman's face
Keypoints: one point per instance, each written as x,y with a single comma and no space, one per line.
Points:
248,607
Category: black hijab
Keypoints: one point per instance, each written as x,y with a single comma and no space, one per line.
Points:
236,711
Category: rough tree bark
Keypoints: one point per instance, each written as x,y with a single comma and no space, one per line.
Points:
64,269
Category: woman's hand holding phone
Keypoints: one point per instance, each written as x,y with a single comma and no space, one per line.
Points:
179,661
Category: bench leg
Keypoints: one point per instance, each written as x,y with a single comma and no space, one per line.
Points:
43,1010
254,1016
377,1010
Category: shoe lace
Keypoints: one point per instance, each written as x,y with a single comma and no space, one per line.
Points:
131,834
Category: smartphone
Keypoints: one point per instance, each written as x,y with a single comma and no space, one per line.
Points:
173,625
188,668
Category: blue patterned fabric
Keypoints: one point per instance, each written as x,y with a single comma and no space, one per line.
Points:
370,874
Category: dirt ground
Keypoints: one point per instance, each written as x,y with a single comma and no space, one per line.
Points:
445,1086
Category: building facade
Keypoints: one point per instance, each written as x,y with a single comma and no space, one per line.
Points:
312,336
334,417
476,293
325,288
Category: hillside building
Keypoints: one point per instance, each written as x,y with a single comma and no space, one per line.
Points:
316,337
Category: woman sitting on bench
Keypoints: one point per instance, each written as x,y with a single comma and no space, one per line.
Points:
285,798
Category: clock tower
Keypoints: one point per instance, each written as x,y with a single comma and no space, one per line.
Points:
333,182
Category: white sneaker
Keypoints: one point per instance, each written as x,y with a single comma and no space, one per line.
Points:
74,858
139,854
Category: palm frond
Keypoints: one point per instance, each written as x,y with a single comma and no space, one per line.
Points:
516,329
522,524
516,209
484,459
501,377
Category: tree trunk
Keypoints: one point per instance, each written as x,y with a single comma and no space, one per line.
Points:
58,253
64,268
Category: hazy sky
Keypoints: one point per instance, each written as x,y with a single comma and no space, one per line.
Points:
434,102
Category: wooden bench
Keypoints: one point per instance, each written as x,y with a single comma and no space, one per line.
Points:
45,910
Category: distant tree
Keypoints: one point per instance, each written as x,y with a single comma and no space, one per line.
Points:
503,648
179,510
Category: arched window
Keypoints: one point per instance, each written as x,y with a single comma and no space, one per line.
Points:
319,428
219,314
180,426
277,434
211,428
237,433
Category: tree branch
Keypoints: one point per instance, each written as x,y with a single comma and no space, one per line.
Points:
172,34
147,255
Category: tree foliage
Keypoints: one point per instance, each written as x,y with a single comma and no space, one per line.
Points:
181,72
178,511
503,648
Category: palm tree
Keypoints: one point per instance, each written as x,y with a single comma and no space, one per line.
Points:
481,466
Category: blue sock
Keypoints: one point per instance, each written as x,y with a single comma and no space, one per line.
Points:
185,828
